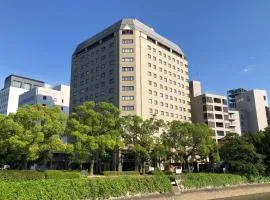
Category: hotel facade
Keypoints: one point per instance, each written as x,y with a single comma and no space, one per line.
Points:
133,67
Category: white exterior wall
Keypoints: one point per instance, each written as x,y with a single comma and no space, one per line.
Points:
9,99
234,120
58,96
253,114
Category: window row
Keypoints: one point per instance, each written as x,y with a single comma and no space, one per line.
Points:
166,87
167,105
164,113
166,71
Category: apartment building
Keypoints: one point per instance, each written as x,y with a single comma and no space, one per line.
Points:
48,96
253,108
213,110
234,121
132,66
14,86
231,95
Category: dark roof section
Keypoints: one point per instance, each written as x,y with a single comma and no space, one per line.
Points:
23,78
132,24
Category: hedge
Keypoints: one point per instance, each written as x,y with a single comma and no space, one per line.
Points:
210,180
20,175
117,173
96,188
58,174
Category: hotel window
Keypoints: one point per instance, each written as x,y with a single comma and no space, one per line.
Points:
127,88
150,82
155,93
127,98
159,52
150,110
127,78
128,59
161,94
149,64
127,108
27,86
149,47
154,66
17,84
162,113
127,32
154,50
150,91
161,103
149,55
155,102
156,111
149,73
150,101
154,58
127,50
127,41
155,84
127,69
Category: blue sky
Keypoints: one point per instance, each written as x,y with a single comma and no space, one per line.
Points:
227,42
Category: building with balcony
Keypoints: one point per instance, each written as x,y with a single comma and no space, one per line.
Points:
14,86
231,95
132,66
48,96
234,122
213,110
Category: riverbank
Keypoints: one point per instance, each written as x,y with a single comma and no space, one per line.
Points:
212,194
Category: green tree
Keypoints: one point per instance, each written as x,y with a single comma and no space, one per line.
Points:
261,141
43,128
8,130
240,156
139,136
186,141
94,127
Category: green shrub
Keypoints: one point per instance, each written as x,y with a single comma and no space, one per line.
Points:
20,175
45,189
60,174
117,173
122,185
206,180
96,188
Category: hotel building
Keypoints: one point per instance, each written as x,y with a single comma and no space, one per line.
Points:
132,66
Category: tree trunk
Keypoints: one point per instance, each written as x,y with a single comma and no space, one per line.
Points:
91,167
114,160
143,167
120,160
80,165
136,164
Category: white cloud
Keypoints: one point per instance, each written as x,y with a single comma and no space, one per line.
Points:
248,68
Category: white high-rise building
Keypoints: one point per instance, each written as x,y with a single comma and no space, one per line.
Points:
48,96
253,108
15,86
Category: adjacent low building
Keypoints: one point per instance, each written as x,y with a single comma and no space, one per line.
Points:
14,86
48,96
213,110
